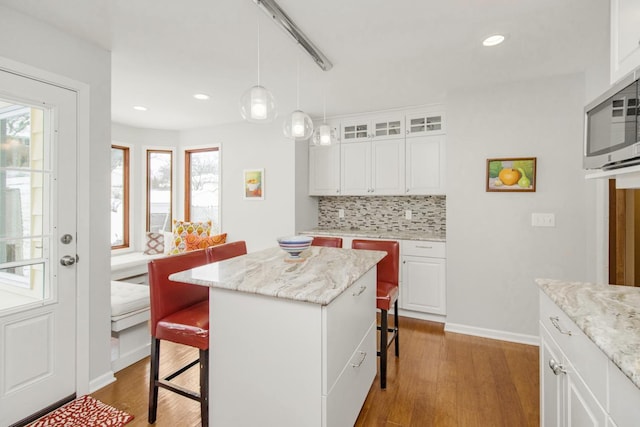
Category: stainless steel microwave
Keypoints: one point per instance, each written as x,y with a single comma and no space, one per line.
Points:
612,127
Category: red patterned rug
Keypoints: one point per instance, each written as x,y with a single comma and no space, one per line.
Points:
85,411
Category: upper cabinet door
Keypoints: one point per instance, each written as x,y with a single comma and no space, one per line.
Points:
425,165
387,166
388,127
419,124
324,170
625,37
355,169
356,130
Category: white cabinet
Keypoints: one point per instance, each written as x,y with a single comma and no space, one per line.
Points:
319,364
423,286
424,165
625,37
390,154
373,167
324,170
579,385
424,123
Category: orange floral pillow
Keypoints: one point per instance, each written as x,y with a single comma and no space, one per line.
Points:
182,231
194,242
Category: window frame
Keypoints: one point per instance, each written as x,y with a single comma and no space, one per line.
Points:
148,152
187,179
126,191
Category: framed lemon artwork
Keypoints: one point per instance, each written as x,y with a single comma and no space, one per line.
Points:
511,174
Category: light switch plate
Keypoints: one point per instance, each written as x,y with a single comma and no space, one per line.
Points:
543,220
340,213
407,214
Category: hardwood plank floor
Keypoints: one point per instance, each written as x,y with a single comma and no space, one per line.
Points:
441,379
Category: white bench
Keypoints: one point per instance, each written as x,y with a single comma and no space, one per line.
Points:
130,333
131,266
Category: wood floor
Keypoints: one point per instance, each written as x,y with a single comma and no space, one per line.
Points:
440,379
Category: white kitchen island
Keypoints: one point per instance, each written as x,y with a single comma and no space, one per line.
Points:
292,343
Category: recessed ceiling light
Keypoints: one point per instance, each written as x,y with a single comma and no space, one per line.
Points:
140,108
201,96
493,40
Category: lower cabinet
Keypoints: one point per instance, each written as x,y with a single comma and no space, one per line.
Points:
423,287
279,362
579,385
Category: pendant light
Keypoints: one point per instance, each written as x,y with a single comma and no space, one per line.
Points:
257,104
298,124
324,134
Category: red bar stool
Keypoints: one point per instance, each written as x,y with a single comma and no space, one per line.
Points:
386,296
331,242
180,314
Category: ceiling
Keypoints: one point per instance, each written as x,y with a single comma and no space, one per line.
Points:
386,53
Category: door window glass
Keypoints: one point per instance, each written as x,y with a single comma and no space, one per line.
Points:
25,180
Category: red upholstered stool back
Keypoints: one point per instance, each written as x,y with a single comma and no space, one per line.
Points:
167,296
388,269
226,251
331,242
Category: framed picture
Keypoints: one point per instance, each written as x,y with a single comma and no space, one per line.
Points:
511,174
253,184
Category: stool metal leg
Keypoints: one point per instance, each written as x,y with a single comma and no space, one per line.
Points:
153,380
396,328
384,326
204,387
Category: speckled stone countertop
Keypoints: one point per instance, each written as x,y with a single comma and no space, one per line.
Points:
377,234
607,314
319,277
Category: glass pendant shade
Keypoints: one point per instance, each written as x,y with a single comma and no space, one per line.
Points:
298,125
323,135
257,105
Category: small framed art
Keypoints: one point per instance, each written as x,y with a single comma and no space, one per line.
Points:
253,184
511,174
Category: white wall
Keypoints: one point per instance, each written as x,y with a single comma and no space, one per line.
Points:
139,140
493,253
306,206
252,146
33,43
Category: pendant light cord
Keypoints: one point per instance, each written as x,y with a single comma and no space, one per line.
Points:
298,85
258,49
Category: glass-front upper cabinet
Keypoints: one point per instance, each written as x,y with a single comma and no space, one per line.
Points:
354,130
419,124
388,126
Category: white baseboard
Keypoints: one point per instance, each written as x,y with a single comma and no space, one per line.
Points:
493,334
422,316
101,381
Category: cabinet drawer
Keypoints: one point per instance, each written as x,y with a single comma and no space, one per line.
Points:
424,248
587,359
344,400
347,320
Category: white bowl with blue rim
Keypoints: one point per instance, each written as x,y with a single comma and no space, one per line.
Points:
295,245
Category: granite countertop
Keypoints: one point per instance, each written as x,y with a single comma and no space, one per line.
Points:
319,277
607,314
377,234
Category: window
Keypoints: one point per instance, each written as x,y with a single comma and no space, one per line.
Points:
25,177
119,197
202,185
159,190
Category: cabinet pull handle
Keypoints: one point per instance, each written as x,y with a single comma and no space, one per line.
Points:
556,367
424,247
360,291
555,320
364,356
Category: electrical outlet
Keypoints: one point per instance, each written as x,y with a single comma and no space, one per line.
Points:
543,220
407,214
340,213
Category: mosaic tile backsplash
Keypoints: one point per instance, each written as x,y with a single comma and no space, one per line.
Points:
384,213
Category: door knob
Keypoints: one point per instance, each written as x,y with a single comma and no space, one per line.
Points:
67,260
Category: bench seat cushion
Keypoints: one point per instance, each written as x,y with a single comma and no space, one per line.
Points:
128,298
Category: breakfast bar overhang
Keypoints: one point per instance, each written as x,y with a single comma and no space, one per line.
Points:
292,342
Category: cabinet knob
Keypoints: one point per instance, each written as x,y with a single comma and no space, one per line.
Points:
556,367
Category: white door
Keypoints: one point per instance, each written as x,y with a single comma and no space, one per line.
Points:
37,233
